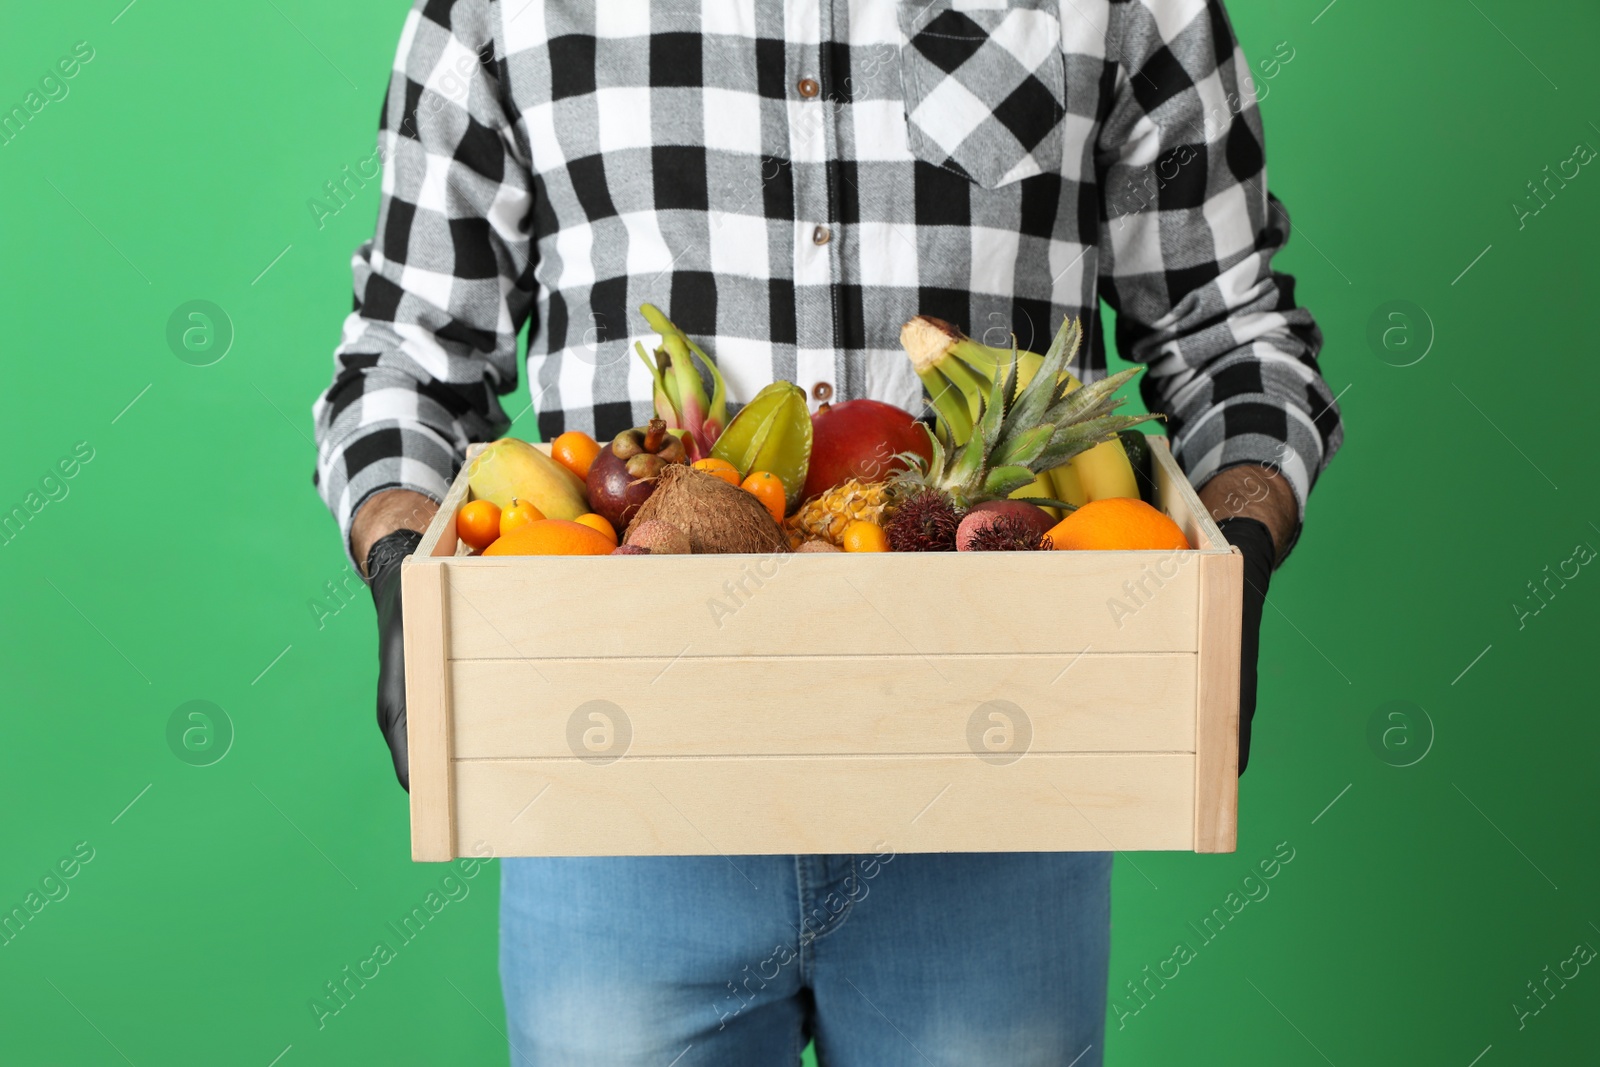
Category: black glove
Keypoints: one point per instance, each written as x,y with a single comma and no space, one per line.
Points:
383,570
1254,540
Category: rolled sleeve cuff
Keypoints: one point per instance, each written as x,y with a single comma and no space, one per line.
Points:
1255,430
400,458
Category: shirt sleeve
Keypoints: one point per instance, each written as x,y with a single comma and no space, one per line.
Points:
1188,235
445,285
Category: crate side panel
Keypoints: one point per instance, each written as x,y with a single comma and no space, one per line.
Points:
826,805
801,705
1179,499
926,604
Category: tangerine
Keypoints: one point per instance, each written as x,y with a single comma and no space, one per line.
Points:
518,515
864,536
1117,523
767,488
598,522
553,537
576,451
719,467
478,523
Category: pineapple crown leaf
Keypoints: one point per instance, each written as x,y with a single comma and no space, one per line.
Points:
1068,441
1002,481
1024,447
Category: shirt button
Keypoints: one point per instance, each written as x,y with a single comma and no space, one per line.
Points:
821,235
822,391
808,87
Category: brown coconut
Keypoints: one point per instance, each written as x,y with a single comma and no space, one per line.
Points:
718,517
658,538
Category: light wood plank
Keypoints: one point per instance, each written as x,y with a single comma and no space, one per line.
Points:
1216,806
923,604
1180,501
440,537
825,705
744,806
427,709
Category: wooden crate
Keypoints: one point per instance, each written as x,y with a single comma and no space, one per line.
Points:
830,702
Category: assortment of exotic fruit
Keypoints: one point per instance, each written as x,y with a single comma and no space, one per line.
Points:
1020,456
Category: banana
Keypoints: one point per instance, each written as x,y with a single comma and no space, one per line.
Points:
1104,471
1042,486
1068,486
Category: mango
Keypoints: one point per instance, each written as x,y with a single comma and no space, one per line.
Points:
510,468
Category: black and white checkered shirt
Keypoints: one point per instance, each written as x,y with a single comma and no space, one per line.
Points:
790,182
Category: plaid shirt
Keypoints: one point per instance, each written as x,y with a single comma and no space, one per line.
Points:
791,182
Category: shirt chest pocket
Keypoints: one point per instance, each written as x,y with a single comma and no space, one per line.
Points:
984,84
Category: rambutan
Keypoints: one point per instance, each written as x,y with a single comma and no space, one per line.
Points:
926,521
1007,533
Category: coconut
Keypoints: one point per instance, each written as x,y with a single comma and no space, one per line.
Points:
819,546
630,550
718,517
658,538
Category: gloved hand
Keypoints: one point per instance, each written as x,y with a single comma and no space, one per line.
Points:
383,570
1254,541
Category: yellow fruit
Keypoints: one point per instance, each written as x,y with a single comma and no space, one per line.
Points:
1067,485
510,468
1105,472
863,536
1041,486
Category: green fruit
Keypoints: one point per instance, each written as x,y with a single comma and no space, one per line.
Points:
771,433
1137,446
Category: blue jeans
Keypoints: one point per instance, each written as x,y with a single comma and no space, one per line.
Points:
705,961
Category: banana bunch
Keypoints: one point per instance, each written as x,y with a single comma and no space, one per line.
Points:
959,374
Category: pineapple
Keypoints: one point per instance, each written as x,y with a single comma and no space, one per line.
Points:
824,517
994,438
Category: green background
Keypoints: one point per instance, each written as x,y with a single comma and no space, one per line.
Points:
182,561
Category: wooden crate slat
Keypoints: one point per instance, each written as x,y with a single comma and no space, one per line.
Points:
803,805
842,604
815,705
1217,711
1180,501
428,711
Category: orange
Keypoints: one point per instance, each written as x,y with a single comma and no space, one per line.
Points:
1117,523
864,536
767,488
719,467
553,537
518,515
597,522
478,523
575,450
